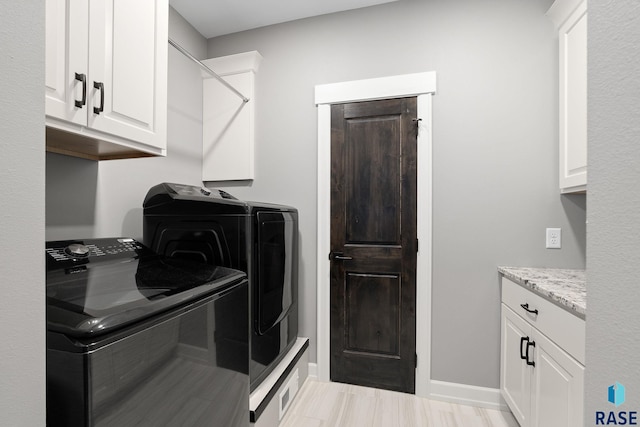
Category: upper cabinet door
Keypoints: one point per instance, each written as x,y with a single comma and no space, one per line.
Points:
570,16
128,69
67,49
573,100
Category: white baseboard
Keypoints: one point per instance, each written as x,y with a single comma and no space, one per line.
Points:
313,370
483,397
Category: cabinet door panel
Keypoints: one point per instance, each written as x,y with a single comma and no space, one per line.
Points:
129,56
558,387
515,375
66,54
573,99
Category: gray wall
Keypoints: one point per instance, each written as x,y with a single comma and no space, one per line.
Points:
613,240
101,199
614,204
22,316
495,148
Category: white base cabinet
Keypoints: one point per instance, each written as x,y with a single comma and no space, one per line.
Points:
541,382
106,77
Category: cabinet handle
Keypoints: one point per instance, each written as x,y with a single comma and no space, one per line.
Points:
99,85
530,344
82,78
528,310
522,341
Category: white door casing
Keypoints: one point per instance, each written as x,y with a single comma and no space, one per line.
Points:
423,86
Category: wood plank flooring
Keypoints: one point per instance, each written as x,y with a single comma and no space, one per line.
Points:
320,404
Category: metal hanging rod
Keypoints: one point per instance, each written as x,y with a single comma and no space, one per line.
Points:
208,70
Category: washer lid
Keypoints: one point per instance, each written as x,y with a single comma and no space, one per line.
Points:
113,285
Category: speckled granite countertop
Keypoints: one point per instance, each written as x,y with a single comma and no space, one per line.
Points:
567,288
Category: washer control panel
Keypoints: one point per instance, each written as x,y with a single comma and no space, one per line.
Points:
76,251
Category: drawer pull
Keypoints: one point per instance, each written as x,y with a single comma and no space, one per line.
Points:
528,310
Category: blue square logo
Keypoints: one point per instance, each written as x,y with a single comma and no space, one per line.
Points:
616,394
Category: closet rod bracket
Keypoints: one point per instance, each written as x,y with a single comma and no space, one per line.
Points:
208,70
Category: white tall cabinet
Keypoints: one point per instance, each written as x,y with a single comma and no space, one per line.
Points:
542,360
106,77
570,18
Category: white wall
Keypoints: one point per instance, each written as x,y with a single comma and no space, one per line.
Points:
495,148
103,199
22,300
613,246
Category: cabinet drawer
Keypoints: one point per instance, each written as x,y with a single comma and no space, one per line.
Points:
562,327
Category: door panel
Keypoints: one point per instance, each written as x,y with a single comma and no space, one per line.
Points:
372,293
515,375
66,57
373,226
372,209
558,394
129,57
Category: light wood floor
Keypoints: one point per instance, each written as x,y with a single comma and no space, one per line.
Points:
320,404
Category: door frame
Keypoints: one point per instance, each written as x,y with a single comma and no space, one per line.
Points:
423,86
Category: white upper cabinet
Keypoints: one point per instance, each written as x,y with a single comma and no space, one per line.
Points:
570,17
106,77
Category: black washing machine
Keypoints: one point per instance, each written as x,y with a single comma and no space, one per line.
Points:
260,239
134,338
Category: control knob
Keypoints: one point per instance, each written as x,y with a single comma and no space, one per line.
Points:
77,250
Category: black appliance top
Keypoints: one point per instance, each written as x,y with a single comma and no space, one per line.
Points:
99,285
168,198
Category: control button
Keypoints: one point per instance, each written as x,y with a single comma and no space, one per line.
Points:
77,250
205,192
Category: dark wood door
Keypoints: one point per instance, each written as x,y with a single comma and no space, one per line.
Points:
373,243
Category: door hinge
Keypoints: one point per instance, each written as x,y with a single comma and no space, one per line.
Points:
416,361
417,245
